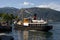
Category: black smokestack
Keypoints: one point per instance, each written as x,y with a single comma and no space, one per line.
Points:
35,16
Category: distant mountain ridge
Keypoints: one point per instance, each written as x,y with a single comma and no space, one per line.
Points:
45,13
9,10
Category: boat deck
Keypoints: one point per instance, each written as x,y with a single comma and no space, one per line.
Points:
37,23
34,27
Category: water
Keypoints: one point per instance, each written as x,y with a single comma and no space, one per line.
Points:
53,34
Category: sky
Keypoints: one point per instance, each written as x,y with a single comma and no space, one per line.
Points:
53,4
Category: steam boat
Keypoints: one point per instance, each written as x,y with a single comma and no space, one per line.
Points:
33,24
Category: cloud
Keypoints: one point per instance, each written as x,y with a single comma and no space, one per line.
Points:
50,5
54,6
43,6
28,3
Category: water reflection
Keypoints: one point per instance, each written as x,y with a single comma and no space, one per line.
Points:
32,35
38,35
17,34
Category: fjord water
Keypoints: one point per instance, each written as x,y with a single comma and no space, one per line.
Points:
53,34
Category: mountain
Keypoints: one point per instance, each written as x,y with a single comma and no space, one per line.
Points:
45,13
9,10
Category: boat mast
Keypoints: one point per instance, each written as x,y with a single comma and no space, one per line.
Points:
22,10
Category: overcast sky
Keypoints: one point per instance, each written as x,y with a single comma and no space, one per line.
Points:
54,4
